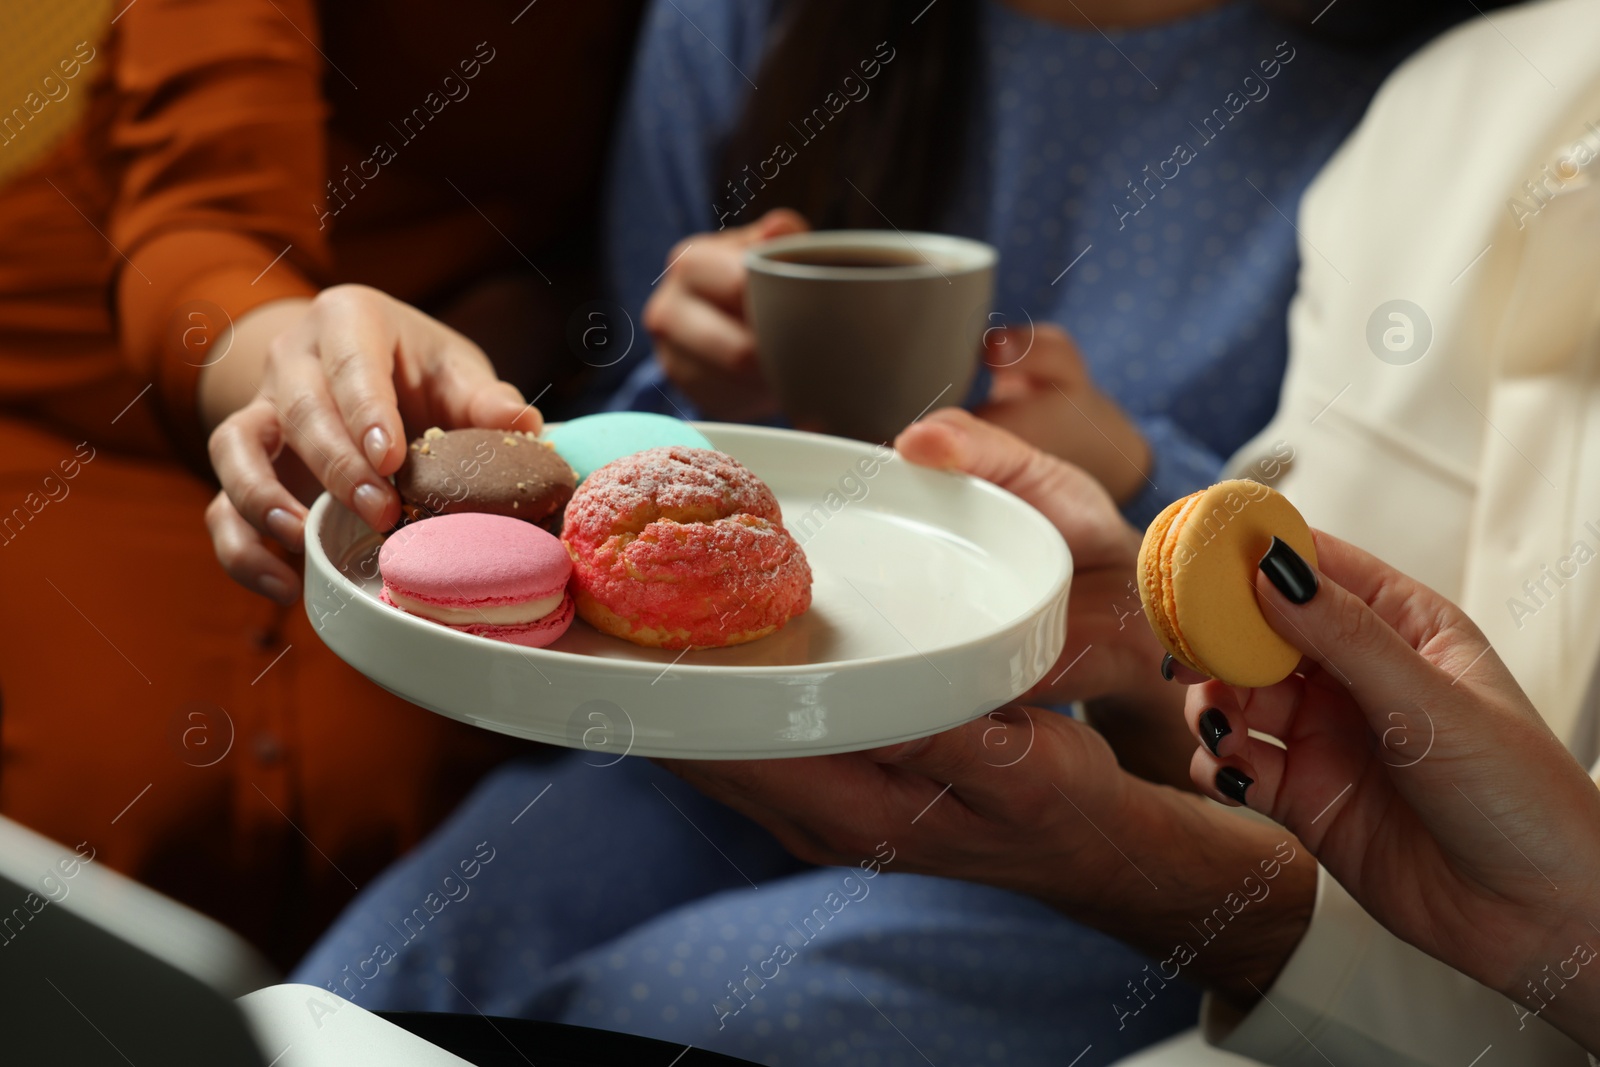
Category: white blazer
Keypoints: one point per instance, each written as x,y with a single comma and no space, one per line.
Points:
1471,190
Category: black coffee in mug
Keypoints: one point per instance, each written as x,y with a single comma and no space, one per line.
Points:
854,257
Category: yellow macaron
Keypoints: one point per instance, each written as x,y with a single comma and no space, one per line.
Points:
1197,568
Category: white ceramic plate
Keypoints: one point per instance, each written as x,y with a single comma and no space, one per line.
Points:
937,598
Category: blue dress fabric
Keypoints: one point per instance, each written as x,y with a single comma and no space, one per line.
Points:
1180,274
623,899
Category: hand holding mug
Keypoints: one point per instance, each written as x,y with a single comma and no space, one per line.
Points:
696,318
1043,393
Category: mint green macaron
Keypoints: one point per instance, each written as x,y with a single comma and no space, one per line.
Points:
590,442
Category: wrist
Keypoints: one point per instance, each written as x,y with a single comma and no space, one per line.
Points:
1130,478
1216,897
1100,437
1560,981
1273,884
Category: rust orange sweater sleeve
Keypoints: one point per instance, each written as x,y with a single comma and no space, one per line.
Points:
219,129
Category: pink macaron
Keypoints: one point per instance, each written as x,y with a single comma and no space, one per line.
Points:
489,575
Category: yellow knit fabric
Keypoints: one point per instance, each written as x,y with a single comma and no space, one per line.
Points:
38,103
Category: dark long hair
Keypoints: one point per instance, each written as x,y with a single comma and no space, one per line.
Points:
898,144
891,158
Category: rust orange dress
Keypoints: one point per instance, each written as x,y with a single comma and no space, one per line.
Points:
197,736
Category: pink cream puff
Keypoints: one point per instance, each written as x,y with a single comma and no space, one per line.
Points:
681,547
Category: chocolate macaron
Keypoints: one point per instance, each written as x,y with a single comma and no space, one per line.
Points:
498,472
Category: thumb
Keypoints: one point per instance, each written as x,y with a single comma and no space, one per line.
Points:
464,390
779,222
499,405
977,759
1076,504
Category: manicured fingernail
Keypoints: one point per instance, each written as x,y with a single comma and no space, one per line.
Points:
1232,783
377,445
1167,663
1213,728
276,588
369,501
1285,569
283,525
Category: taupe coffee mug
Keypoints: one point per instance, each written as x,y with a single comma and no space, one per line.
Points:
858,332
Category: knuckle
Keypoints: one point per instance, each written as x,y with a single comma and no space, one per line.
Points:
677,251
1353,623
960,758
961,417
235,561
280,350
255,499
1026,800
302,409
347,302
343,296
341,357
216,512
742,351
221,440
657,314
460,350
342,474
1456,630
1047,475
1048,332
230,551
331,302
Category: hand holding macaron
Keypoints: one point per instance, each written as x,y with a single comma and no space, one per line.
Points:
696,319
1417,771
319,396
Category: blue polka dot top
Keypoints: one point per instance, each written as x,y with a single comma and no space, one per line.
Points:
1139,184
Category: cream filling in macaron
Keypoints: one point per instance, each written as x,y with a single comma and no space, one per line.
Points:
490,614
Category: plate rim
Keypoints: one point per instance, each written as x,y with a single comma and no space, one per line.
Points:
1062,576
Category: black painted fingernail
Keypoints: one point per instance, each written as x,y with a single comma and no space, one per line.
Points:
1213,728
1232,783
1285,569
1166,666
